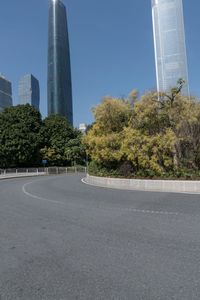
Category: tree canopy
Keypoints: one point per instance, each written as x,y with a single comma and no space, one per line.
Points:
19,136
26,139
61,143
155,136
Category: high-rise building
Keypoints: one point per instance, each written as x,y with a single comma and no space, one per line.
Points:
59,69
169,44
5,93
29,91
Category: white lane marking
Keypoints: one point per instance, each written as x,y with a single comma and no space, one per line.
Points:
128,209
143,211
35,196
158,212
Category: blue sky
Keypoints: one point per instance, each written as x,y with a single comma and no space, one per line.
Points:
111,44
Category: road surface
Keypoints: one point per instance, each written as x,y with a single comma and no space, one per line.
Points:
63,240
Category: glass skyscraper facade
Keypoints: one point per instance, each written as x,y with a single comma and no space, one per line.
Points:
29,91
169,44
59,69
5,93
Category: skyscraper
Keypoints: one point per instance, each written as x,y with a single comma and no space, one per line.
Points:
59,69
5,93
169,44
29,91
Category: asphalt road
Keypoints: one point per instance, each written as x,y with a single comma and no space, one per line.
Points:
63,240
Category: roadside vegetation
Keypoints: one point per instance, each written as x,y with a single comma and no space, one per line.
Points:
26,140
152,136
155,136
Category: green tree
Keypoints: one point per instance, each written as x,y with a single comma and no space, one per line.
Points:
61,143
75,150
19,136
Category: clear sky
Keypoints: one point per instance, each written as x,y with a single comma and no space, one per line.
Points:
111,44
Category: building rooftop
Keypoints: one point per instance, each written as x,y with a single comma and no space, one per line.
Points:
3,77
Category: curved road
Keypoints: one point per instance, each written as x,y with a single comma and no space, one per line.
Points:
63,240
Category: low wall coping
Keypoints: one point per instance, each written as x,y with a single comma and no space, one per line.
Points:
176,186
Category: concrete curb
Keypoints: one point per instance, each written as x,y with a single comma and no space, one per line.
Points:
169,186
22,175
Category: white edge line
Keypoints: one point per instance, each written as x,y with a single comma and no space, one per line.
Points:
35,196
83,181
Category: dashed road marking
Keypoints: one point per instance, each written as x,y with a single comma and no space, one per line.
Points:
143,211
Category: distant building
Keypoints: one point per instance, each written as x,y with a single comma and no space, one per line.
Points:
169,44
59,69
5,93
82,127
29,91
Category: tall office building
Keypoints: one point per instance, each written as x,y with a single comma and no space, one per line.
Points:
29,91
59,69
169,44
5,93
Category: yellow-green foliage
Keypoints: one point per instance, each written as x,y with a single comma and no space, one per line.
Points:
149,152
111,115
160,136
103,147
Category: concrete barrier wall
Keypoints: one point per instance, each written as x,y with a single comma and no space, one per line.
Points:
18,175
146,185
